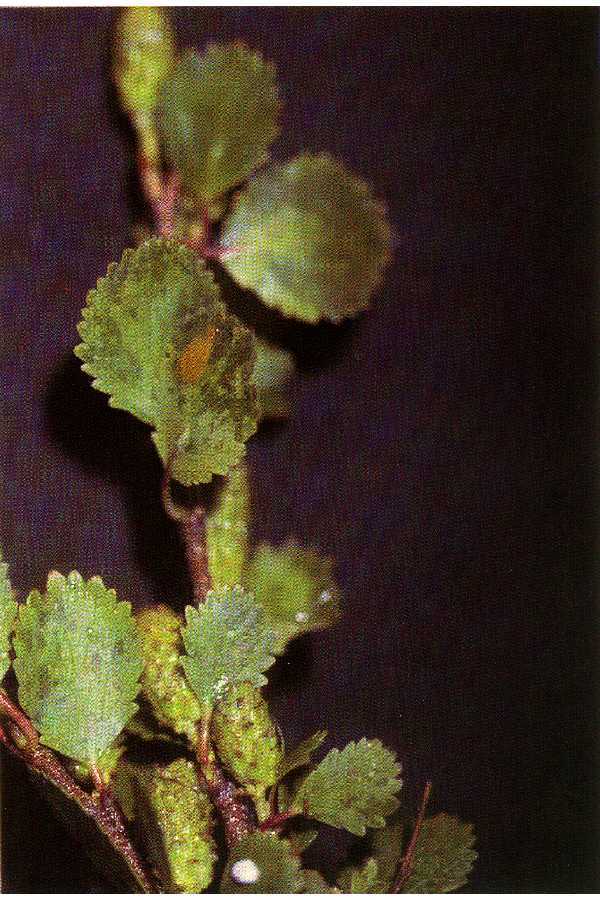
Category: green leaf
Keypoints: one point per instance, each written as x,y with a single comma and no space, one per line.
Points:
273,371
144,53
309,238
360,879
218,116
314,883
261,863
157,339
77,664
227,529
443,856
228,640
387,849
301,755
8,615
354,788
302,835
296,587
175,820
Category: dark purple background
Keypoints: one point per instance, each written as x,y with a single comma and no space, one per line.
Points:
442,446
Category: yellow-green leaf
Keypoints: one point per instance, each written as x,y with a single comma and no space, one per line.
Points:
218,115
78,664
158,340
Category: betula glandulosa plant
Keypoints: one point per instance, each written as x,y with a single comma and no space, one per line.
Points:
151,732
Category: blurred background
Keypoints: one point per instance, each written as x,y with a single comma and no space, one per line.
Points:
442,447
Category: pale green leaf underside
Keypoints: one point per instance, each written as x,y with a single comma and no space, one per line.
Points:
137,325
300,755
309,238
227,529
354,788
269,863
443,857
296,587
8,614
273,371
228,640
218,116
77,664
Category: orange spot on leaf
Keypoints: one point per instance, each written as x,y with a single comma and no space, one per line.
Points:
194,359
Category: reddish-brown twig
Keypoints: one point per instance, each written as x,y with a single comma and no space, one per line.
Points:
277,821
238,819
406,862
22,740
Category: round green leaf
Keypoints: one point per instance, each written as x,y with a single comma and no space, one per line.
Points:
309,238
228,640
296,587
218,115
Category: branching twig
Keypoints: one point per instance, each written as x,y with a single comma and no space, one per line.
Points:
101,808
406,863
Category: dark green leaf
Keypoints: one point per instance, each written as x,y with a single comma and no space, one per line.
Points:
443,856
301,755
360,879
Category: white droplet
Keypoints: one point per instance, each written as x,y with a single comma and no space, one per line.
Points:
301,617
325,597
245,871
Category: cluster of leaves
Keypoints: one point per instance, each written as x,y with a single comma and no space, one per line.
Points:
81,659
310,240
306,236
